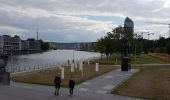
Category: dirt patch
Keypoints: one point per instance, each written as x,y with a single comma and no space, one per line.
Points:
164,57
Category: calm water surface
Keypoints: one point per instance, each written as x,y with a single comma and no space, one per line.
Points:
54,56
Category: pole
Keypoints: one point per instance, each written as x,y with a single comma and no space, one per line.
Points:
142,42
73,56
169,30
11,56
135,54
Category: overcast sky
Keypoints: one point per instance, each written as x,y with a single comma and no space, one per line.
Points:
81,20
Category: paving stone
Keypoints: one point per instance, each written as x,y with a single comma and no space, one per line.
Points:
108,87
86,83
89,90
83,89
109,77
101,92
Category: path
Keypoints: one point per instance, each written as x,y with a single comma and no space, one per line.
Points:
95,89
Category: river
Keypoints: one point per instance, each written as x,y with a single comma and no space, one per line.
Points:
54,56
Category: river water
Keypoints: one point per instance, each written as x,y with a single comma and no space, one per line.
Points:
54,56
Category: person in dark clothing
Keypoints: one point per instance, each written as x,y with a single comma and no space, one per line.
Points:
71,85
57,82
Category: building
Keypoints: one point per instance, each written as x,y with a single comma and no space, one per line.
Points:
15,44
128,24
24,45
8,43
86,46
30,46
33,44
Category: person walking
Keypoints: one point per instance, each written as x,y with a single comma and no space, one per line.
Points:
57,82
71,85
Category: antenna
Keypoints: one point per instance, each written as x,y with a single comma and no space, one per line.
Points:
37,34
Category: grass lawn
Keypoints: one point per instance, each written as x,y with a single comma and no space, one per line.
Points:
114,59
149,82
143,59
46,77
147,59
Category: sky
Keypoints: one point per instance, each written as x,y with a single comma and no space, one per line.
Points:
81,20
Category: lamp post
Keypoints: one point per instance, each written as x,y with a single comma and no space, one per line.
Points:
142,42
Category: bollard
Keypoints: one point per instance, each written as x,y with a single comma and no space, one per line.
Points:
97,67
75,64
80,65
62,73
72,67
82,72
88,62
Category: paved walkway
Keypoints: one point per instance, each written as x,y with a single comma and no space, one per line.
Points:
95,89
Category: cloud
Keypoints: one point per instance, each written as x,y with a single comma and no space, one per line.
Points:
67,21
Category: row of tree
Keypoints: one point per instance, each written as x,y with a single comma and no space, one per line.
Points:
113,42
45,45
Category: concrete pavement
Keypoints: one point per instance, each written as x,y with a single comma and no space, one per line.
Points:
98,88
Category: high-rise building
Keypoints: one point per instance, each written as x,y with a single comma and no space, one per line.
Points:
129,23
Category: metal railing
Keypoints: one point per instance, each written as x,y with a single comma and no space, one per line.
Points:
18,69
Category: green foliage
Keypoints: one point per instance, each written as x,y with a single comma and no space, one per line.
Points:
45,45
112,42
168,47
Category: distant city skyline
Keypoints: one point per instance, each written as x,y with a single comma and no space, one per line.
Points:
81,20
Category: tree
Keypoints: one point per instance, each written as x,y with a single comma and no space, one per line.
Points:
113,40
100,46
45,45
136,45
168,47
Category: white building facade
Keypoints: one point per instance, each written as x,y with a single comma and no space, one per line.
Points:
8,43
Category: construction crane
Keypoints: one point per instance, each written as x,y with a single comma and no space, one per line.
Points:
162,24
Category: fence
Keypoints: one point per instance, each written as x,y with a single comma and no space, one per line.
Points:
13,69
